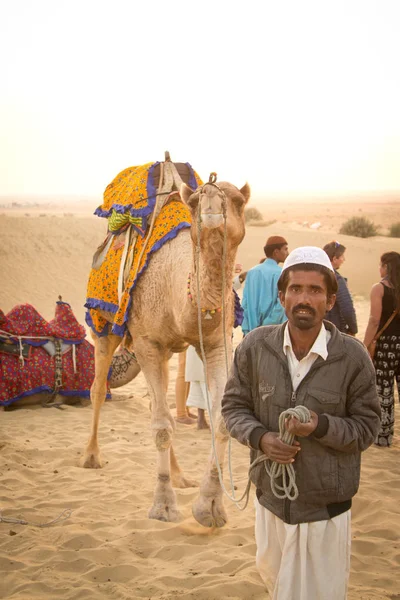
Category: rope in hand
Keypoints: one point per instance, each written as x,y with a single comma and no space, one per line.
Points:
288,489
61,517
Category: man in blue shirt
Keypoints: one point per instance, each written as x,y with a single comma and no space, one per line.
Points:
261,304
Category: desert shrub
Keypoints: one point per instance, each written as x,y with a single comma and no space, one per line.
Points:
359,227
252,214
260,223
394,230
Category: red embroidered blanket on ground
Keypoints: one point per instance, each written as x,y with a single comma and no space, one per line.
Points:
28,346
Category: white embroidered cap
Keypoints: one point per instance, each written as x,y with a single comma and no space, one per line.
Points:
308,254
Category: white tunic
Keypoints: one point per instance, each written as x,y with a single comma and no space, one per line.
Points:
194,373
308,561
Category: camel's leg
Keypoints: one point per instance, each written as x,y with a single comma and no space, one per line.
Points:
104,348
208,508
154,365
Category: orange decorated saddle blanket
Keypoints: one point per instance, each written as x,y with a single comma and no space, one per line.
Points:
129,202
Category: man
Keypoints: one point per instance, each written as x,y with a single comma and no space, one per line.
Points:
303,546
342,314
260,297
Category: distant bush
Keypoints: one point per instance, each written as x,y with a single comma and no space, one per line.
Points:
394,230
252,214
261,223
359,227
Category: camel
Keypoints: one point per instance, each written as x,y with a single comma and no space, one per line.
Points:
163,319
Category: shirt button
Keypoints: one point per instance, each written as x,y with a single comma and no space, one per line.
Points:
298,374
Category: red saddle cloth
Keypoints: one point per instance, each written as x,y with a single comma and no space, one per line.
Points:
27,354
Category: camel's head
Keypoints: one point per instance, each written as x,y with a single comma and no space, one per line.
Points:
213,201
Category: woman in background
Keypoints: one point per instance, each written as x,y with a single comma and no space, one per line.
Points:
342,314
385,304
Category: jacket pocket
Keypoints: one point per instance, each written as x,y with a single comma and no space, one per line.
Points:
322,400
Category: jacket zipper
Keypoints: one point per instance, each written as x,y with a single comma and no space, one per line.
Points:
293,398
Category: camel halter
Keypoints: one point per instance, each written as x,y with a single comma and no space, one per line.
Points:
275,470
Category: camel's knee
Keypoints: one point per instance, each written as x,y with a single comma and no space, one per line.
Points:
222,433
163,438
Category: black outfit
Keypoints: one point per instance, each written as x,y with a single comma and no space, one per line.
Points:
387,366
343,314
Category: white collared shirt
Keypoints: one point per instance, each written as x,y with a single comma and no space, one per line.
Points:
299,368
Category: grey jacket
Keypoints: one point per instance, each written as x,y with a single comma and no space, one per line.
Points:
341,390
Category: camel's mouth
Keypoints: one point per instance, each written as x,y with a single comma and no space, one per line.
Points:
211,221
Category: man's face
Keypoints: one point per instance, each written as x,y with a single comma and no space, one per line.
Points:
281,254
305,300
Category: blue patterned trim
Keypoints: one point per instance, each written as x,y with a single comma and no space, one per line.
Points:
192,179
46,388
239,312
151,191
135,212
89,322
42,388
101,304
84,393
29,341
39,343
120,329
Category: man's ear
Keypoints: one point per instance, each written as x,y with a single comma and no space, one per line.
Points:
281,296
330,302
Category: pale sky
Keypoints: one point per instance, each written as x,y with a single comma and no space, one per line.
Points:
298,96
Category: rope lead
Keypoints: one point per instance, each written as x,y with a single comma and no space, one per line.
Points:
288,489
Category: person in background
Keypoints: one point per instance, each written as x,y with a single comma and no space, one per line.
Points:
385,318
194,375
183,414
260,297
342,314
303,545
239,277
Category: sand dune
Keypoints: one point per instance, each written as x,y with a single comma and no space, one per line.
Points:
108,548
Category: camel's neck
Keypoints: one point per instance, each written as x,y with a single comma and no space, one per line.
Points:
208,273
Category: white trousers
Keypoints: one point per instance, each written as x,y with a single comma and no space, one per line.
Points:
197,395
308,561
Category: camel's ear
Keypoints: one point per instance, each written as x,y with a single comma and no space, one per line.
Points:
186,192
245,191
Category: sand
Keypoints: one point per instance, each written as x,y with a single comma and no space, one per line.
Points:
108,548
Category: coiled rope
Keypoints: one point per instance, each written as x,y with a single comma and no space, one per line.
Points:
275,470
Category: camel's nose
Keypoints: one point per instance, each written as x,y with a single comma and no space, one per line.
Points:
211,220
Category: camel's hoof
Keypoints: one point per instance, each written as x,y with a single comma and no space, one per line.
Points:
91,461
209,512
162,512
183,482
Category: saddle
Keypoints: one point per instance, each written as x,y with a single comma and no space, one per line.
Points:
38,357
144,211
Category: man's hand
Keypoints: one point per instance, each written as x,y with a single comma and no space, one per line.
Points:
294,426
277,450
